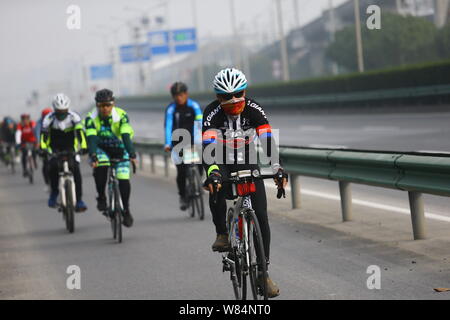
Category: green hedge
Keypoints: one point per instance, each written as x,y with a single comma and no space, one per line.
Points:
401,77
429,74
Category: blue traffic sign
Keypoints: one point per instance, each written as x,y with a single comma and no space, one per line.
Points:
159,42
104,71
185,40
135,53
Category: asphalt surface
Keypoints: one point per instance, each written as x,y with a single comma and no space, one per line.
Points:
394,131
167,255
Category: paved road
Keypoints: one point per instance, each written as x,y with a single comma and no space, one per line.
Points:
399,132
167,255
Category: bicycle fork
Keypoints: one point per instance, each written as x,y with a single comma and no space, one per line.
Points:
62,188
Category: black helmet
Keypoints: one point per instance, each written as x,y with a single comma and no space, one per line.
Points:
177,88
104,95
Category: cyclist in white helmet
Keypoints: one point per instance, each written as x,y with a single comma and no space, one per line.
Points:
62,130
245,119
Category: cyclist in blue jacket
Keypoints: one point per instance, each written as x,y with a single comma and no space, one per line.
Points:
182,113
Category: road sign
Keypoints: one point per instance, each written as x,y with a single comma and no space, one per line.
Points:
104,71
184,40
159,42
134,53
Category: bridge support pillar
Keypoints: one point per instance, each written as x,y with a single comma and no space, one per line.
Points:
166,166
152,164
417,215
346,200
295,191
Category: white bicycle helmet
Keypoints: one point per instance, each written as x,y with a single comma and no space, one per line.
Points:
61,102
229,80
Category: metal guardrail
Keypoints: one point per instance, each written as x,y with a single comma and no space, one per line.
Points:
140,103
357,96
414,173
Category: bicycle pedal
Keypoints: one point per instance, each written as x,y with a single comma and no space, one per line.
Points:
226,265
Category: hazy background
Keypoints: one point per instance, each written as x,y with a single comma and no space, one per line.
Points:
40,56
40,53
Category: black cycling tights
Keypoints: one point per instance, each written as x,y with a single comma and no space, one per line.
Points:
259,204
24,158
101,178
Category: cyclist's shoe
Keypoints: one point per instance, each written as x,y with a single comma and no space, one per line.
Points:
221,244
272,289
52,200
127,218
80,206
101,204
183,204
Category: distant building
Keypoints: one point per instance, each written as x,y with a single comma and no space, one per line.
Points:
307,45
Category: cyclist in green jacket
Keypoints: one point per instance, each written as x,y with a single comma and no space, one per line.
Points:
109,134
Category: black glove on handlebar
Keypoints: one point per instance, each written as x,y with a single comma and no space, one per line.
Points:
93,158
280,175
214,178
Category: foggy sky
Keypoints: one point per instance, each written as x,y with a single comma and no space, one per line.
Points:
39,52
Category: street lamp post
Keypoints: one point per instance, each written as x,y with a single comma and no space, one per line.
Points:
238,52
114,57
359,47
201,73
283,45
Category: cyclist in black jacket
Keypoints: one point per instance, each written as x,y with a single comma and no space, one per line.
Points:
233,122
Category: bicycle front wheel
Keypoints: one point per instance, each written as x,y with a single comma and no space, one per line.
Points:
12,161
118,213
70,208
30,170
256,258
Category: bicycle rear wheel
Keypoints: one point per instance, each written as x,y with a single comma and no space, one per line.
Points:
198,192
238,274
257,258
70,209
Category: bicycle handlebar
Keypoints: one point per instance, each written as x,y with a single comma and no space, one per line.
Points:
116,161
248,175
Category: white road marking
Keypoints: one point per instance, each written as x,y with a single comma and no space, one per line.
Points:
370,204
380,128
311,128
434,151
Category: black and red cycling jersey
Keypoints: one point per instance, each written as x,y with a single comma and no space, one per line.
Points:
237,135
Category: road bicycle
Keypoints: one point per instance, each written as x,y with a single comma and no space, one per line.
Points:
246,258
114,212
193,189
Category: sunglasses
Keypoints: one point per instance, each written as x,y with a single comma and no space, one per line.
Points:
105,104
229,96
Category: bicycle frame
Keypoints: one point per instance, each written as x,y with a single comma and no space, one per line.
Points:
112,184
65,175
